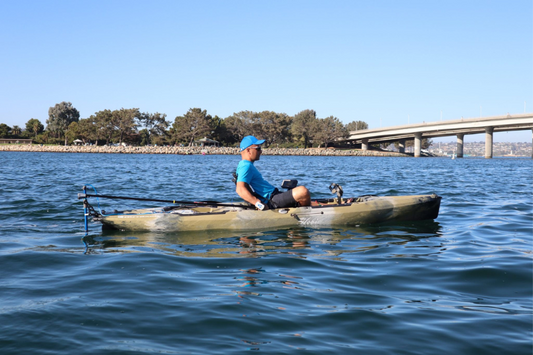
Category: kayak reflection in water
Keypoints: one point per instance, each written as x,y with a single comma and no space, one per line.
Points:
252,188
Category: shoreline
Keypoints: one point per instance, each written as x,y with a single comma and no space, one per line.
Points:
194,150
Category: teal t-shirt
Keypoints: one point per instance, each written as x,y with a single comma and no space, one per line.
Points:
248,173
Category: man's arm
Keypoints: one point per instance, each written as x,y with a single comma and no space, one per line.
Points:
244,191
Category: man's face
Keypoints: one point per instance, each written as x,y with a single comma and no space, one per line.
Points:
255,152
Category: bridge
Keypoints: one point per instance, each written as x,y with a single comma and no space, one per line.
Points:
459,128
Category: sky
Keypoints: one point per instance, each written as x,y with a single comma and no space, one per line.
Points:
385,62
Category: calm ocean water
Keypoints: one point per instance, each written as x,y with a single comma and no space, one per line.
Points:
461,284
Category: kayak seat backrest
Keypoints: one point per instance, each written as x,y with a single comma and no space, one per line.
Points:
249,187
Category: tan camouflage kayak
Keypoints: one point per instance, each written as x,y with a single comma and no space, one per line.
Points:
223,216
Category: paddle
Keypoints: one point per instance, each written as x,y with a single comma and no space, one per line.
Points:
200,203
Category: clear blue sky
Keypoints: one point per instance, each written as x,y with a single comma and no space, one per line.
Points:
385,62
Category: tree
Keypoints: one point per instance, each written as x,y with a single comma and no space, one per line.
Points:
86,129
34,126
103,121
16,131
303,125
144,136
72,132
426,143
155,128
43,138
356,126
219,130
241,124
268,125
4,130
60,117
125,121
328,130
274,127
194,124
226,132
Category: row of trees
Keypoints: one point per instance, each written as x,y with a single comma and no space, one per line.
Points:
132,126
33,128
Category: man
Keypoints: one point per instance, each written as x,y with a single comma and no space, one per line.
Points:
252,188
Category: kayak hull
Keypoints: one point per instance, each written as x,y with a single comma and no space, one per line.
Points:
350,212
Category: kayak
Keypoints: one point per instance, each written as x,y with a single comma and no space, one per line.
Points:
240,216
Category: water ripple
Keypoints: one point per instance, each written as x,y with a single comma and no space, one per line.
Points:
460,284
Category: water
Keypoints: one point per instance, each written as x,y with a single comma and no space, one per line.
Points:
461,284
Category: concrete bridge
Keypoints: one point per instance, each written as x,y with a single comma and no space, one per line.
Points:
459,128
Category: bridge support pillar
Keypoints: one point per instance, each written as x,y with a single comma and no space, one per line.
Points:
364,144
418,139
401,145
488,142
460,145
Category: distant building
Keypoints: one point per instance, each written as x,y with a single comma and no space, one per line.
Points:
15,141
205,142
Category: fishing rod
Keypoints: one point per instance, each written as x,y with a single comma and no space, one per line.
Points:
200,203
88,210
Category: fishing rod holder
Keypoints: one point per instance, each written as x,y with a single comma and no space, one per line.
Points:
85,208
336,189
88,209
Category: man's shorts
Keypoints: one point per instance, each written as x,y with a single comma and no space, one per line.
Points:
282,199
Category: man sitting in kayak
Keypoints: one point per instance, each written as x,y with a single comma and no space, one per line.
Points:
252,188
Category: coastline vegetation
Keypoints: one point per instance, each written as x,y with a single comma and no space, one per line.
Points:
133,127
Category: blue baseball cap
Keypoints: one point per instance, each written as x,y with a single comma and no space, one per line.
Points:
250,140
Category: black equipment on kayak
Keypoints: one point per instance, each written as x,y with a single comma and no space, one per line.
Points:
336,189
289,184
